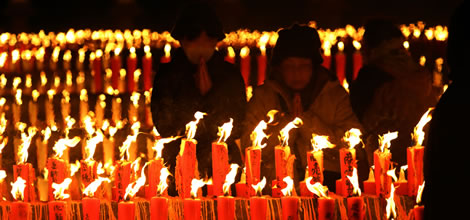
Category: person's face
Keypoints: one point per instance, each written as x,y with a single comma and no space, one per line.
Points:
199,48
296,72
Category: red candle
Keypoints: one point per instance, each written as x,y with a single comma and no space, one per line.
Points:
131,67
418,212
115,68
242,190
369,184
326,208
26,172
290,207
57,210
340,63
226,207
192,209
126,210
348,163
304,190
326,54
262,67
357,64
258,208
158,208
88,172
415,168
280,158
220,167
154,168
315,166
57,173
245,64
230,55
97,77
122,180
147,69
166,58
382,165
355,208
20,211
91,208
253,167
188,165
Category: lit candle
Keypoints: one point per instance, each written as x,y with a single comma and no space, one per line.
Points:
391,211
415,155
58,209
220,166
258,204
115,68
20,210
91,204
66,59
65,106
156,165
88,166
126,208
83,105
326,205
355,202
192,206
262,59
382,164
116,108
166,58
290,204
25,170
402,183
16,107
326,54
33,108
49,107
418,210
284,160
159,204
230,55
315,157
241,187
131,67
147,68
357,59
97,68
187,168
369,184
340,62
99,110
226,203
134,107
245,64
348,161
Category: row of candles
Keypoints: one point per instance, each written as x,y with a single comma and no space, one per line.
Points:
128,178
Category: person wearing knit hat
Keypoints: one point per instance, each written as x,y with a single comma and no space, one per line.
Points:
198,79
298,86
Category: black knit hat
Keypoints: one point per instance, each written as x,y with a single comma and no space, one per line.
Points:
196,18
297,41
378,31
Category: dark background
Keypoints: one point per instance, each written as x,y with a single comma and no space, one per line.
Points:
159,15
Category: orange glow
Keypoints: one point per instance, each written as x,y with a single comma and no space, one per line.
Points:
17,188
24,146
353,137
340,46
61,145
167,50
74,167
59,189
320,142
418,133
244,52
384,141
230,52
224,131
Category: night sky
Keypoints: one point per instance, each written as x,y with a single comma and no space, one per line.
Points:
159,15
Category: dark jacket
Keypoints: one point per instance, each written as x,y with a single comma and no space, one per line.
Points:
391,93
175,99
327,111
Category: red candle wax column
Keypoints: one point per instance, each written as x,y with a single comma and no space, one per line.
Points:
147,68
348,161
418,210
166,58
283,158
33,108
220,166
290,204
15,61
88,166
186,161
131,68
126,208
133,112
23,169
391,211
326,54
226,203
326,205
58,208
262,60
56,166
16,106
192,206
355,203
357,59
315,157
20,210
116,68
245,64
80,60
340,62
415,155
156,165
158,203
148,109
91,204
83,105
258,204
242,187
95,58
230,55
382,164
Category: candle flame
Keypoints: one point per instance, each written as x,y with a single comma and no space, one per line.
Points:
192,125
418,133
392,174
230,178
406,45
195,185
18,95
59,189
420,193
357,45
159,144
124,149
17,188
162,185
384,141
345,85
224,131
355,182
287,191
167,50
320,142
391,207
3,143
284,133
317,188
91,145
244,52
258,135
353,137
230,52
24,146
93,186
3,175
402,173
74,167
134,187
259,186
340,46
62,144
